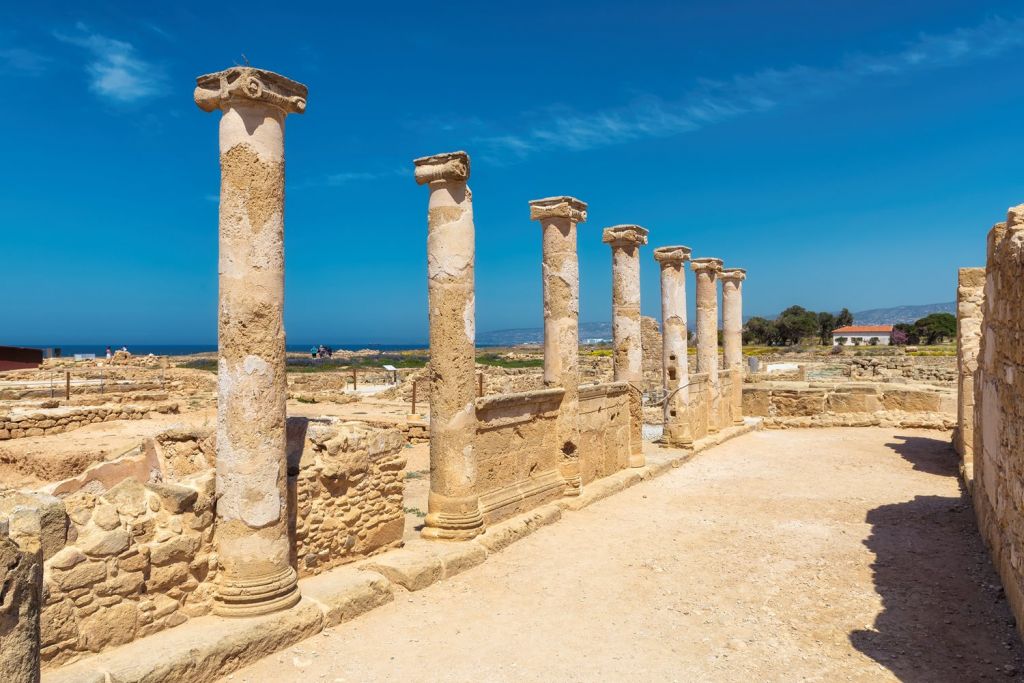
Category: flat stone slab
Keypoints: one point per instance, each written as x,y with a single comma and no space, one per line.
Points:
346,592
421,563
203,650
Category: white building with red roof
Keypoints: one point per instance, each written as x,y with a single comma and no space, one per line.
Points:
867,335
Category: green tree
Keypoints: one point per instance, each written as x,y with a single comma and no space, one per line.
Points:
826,323
844,318
796,323
936,327
761,331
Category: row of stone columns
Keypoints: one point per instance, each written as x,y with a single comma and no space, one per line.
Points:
253,544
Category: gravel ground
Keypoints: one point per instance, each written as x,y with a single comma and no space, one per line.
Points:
814,555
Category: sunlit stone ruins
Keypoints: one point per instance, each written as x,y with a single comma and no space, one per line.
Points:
210,545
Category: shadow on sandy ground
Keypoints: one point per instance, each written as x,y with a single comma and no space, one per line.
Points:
944,616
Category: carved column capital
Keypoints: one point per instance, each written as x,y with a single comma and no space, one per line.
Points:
247,84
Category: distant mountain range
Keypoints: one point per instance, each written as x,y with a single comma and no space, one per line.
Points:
901,314
602,331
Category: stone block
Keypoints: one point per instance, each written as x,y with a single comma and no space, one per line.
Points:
412,569
501,535
346,592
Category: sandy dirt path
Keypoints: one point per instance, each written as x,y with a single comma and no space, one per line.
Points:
813,555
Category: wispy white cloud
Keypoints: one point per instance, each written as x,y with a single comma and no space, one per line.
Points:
346,177
23,61
116,70
715,101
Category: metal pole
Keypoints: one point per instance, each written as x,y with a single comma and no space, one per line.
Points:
67,385
479,384
354,381
414,397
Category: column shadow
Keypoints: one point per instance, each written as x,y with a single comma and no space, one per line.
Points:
944,615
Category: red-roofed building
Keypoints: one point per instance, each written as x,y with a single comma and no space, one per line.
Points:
863,334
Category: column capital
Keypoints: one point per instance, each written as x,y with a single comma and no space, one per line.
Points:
625,236
735,274
245,83
558,207
448,166
672,256
706,265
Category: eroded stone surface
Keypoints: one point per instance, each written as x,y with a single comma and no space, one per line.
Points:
453,506
625,241
252,532
675,362
707,270
732,337
559,217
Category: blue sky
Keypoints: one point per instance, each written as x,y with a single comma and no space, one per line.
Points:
845,153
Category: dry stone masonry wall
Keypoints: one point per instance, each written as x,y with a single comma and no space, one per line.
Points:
998,488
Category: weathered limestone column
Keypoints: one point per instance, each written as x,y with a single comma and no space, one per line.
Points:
732,335
559,217
453,508
970,294
674,361
626,241
707,270
21,576
253,545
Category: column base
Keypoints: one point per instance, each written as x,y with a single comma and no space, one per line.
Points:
458,520
637,460
251,597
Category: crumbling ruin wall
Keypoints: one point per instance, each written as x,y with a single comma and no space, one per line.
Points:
348,492
651,345
855,404
518,452
970,294
604,429
25,423
128,549
998,493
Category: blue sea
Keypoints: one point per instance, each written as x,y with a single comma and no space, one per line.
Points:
187,349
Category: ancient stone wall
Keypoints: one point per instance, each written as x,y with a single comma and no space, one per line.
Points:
604,429
969,298
998,494
348,494
651,344
128,546
698,409
20,423
820,404
518,453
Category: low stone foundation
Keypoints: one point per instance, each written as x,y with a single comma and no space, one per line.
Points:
37,422
815,404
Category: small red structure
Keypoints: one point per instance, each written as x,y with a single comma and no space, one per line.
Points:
17,358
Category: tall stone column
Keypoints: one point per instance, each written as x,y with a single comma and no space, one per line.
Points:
707,270
675,364
625,241
253,545
453,507
559,217
732,335
970,298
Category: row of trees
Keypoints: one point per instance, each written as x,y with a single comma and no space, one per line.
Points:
794,325
930,329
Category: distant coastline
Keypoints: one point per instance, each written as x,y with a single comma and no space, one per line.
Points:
193,349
